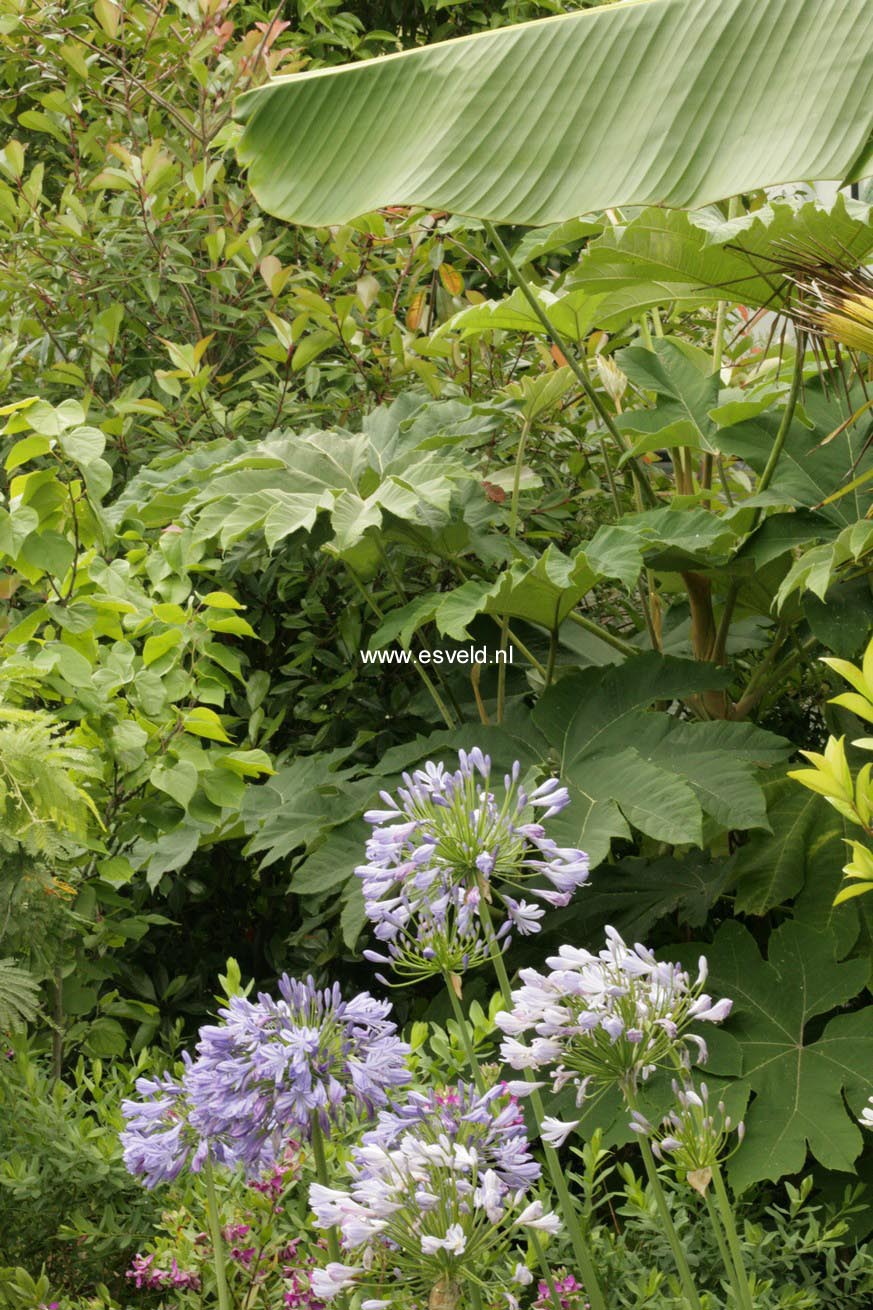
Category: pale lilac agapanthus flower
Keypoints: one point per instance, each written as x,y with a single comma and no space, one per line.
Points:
262,1076
452,843
606,1020
439,1195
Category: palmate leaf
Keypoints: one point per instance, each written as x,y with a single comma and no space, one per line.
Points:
798,1085
664,254
673,102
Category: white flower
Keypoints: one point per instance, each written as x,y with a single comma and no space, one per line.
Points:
335,1278
454,1241
555,1131
866,1119
533,1216
522,1275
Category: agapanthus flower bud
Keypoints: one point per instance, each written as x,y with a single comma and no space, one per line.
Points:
449,841
438,1192
605,1020
695,1136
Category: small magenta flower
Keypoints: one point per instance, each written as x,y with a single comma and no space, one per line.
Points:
451,844
606,1020
438,1196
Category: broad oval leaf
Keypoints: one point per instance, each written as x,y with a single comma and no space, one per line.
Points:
676,102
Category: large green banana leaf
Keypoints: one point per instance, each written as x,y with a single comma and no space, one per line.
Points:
675,102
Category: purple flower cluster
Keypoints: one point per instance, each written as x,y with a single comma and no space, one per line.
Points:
266,1072
439,1190
145,1276
606,1020
297,1271
448,846
695,1136
569,1292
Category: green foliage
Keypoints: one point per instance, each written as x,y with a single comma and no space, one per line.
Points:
593,101
61,1172
831,776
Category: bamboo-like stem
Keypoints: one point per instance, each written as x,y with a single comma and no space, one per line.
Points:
725,1209
576,366
570,1214
217,1239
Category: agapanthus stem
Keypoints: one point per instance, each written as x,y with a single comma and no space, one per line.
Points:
466,1037
682,1265
725,1254
333,1248
569,1212
478,1078
741,1284
217,1239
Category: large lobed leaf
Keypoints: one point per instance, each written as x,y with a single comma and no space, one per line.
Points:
675,102
798,1079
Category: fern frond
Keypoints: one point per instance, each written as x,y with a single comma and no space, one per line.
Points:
19,996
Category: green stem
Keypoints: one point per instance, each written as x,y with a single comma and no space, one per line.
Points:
617,643
566,1203
576,367
333,1248
422,672
479,1080
466,1039
725,1208
217,1239
787,415
684,1269
718,1231
528,655
475,1297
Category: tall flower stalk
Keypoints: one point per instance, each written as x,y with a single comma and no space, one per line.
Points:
610,1020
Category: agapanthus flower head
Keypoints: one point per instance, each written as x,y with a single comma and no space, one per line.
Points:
450,842
161,1137
262,1076
439,1195
695,1136
606,1020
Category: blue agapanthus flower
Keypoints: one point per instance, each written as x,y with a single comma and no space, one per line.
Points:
451,841
266,1073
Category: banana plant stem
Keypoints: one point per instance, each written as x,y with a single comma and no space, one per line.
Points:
217,1239
569,1212
725,1209
576,366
